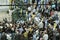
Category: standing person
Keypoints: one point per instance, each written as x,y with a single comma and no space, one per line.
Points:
54,34
37,34
34,36
17,36
40,25
8,36
51,12
41,35
22,37
25,35
21,30
45,36
50,32
46,22
3,37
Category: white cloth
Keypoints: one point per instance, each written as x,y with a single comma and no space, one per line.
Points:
21,30
40,25
1,27
29,8
29,18
57,21
46,23
45,37
10,12
9,36
7,24
36,20
34,10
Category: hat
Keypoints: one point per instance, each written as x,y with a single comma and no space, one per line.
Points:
29,8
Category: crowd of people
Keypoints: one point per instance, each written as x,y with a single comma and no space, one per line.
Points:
42,24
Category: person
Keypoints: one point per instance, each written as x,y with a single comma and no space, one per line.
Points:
46,23
36,19
37,34
45,36
17,36
30,33
40,25
50,32
21,30
51,12
34,36
3,37
8,36
41,35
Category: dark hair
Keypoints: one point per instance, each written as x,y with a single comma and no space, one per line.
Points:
33,13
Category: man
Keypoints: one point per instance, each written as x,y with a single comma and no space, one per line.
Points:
40,25
45,36
36,20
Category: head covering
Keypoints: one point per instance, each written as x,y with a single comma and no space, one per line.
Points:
29,8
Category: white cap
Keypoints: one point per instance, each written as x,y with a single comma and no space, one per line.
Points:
29,8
